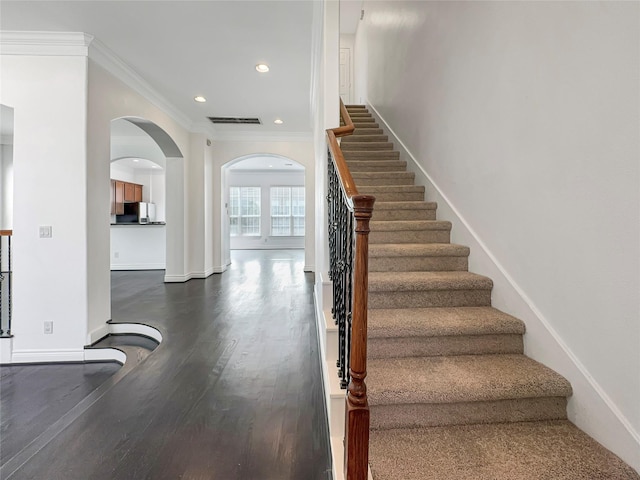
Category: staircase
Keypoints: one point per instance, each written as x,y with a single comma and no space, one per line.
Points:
451,394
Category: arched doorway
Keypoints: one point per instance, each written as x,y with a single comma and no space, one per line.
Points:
263,203
134,138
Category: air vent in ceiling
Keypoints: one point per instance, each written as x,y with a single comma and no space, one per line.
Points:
236,120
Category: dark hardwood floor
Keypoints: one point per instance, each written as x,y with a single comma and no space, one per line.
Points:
234,391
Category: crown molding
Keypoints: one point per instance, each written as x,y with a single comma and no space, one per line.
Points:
45,43
108,60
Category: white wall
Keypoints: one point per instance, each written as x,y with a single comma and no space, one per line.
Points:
525,116
122,172
109,98
299,150
153,189
138,247
265,180
6,187
49,97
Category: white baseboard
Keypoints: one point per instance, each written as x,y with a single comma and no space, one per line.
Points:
177,278
105,355
205,274
590,408
138,266
309,268
221,268
98,333
135,329
6,349
47,356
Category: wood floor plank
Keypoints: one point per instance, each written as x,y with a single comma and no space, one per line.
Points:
234,391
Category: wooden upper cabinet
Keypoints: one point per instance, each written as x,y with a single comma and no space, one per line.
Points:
129,192
113,197
119,197
124,192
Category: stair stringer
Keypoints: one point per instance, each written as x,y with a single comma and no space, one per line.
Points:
590,408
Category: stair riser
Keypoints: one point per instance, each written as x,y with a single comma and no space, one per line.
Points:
417,214
377,146
366,131
439,414
439,346
364,138
418,264
367,119
410,236
429,298
388,166
378,182
395,196
370,156
358,124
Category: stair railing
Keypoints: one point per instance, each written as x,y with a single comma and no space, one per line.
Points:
5,283
348,217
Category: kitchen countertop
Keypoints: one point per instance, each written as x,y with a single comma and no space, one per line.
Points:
136,224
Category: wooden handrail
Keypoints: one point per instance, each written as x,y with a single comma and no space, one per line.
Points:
356,442
6,233
348,184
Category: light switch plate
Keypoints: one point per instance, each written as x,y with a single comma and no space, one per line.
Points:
45,231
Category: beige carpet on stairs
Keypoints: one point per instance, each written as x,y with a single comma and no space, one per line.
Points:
452,395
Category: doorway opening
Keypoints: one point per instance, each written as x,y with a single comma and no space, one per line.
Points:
264,204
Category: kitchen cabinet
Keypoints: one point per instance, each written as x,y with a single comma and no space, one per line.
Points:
112,195
119,189
129,192
124,192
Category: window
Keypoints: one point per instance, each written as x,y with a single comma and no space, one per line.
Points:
244,211
287,211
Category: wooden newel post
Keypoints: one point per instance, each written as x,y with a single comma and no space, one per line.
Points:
356,439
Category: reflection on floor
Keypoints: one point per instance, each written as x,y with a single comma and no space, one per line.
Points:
233,392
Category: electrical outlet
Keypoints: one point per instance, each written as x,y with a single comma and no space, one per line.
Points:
48,328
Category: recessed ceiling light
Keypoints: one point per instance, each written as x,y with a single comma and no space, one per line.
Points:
277,121
154,166
200,99
270,166
262,67
136,160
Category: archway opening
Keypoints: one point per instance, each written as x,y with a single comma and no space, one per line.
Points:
263,204
147,198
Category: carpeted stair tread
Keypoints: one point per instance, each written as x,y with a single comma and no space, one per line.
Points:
383,178
376,166
398,225
359,138
366,119
459,379
441,322
364,131
366,146
418,281
405,257
420,205
542,450
417,250
370,155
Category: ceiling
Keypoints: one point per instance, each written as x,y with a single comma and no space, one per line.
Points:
210,48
